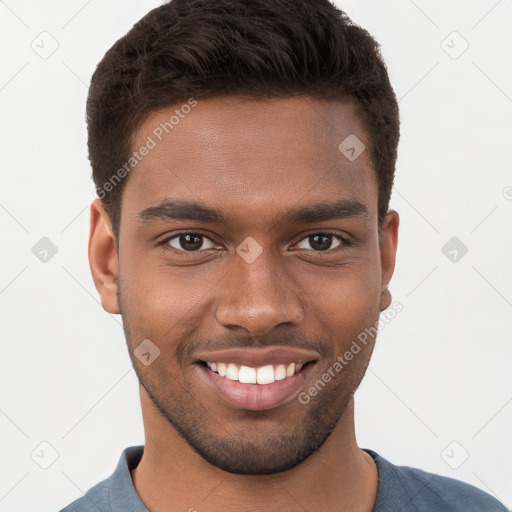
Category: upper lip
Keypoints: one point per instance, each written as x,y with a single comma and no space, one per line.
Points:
259,356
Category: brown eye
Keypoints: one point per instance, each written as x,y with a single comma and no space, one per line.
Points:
319,242
190,242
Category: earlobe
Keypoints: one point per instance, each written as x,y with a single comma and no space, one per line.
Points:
385,299
103,260
388,241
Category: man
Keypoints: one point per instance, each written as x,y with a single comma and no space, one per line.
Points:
244,155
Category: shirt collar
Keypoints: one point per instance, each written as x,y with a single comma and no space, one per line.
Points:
124,497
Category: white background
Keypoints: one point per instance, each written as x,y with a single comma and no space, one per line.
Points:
441,369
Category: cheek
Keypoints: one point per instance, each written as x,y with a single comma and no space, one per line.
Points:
352,287
346,300
159,290
162,304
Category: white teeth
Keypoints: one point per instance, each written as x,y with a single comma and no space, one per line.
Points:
265,374
280,372
232,372
221,369
248,375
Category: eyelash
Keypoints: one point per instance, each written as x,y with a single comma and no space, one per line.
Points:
344,242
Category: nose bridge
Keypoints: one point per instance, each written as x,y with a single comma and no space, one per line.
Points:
257,294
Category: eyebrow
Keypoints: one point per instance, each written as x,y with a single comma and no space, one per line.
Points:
200,212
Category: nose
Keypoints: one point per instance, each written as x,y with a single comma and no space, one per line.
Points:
258,296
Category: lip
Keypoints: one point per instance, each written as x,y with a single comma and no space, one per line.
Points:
255,397
259,357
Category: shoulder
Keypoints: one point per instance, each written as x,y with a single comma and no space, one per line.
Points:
453,495
115,492
94,500
410,489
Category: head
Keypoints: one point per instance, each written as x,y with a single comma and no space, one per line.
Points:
244,154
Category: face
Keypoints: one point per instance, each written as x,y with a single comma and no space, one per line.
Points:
250,257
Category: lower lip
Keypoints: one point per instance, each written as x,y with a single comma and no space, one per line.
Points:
256,397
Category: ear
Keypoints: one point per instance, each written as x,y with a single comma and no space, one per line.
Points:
388,242
103,257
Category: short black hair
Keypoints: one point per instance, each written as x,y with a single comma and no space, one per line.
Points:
260,48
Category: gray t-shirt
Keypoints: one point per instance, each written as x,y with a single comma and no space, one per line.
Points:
401,489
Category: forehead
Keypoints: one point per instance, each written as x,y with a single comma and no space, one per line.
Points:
253,155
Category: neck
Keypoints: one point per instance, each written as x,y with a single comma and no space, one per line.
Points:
172,476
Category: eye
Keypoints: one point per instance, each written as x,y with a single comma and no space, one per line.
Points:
188,242
323,241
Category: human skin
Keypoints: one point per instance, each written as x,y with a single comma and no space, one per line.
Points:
254,160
